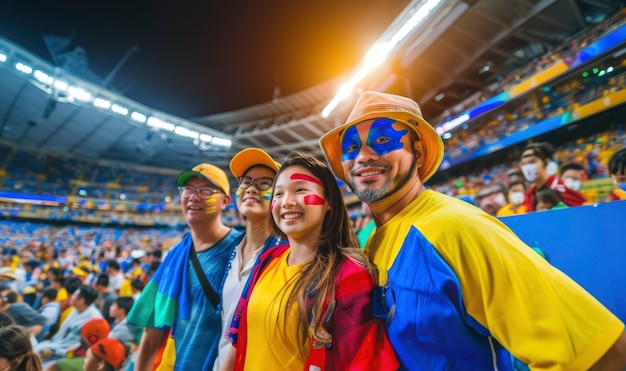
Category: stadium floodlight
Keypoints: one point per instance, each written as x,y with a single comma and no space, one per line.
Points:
184,132
23,68
139,117
43,77
3,58
61,85
79,94
154,122
221,142
102,103
119,109
379,53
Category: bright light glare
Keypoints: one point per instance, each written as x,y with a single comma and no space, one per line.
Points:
101,103
378,54
43,77
3,57
206,137
221,142
79,94
184,132
23,68
158,124
139,117
61,85
119,109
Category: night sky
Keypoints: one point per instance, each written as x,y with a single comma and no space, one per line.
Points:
201,57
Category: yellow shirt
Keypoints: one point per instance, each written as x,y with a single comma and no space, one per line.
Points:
272,343
534,310
507,210
62,295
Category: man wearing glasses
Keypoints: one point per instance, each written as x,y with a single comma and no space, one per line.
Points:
183,294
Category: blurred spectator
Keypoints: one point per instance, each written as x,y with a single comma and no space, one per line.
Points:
8,279
136,286
516,195
548,199
5,320
21,313
534,161
106,298
93,330
122,330
617,172
491,198
16,351
106,355
87,247
573,175
68,334
49,307
64,296
116,277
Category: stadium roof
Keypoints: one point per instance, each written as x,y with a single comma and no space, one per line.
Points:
457,51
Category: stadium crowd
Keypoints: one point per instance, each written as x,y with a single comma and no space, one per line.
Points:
191,294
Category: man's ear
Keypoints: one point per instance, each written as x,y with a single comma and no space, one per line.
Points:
418,146
225,202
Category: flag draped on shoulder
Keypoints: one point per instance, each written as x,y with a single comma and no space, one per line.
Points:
166,297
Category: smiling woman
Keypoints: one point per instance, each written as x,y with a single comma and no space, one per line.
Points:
302,293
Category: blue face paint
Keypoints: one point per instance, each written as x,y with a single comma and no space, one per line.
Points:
351,144
383,138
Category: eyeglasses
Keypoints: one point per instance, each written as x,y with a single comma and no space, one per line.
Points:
203,193
262,184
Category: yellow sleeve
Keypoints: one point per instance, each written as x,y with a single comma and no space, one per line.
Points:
126,289
534,310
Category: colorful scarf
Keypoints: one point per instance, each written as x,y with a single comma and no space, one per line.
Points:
166,298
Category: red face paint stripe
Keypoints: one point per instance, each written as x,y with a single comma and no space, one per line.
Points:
313,200
308,178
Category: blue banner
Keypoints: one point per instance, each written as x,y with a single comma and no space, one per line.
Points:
586,243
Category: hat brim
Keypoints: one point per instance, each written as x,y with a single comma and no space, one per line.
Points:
330,142
10,276
249,157
183,177
79,272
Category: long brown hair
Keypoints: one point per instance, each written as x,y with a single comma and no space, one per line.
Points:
17,349
314,288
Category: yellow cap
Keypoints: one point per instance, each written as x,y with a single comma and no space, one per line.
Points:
250,157
209,172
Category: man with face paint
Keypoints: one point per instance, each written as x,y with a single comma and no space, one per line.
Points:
457,288
534,161
254,170
174,298
617,172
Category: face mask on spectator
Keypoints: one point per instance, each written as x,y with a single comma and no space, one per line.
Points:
517,197
552,168
574,184
530,171
499,200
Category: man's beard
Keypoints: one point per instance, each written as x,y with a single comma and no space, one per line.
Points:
369,195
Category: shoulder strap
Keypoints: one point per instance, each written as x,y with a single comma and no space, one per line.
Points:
210,293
